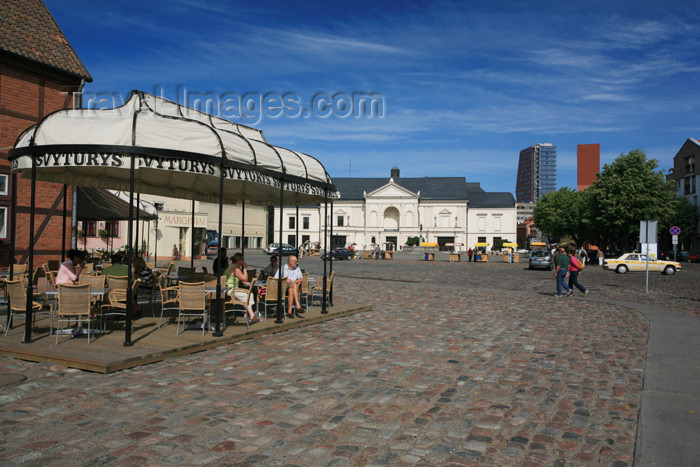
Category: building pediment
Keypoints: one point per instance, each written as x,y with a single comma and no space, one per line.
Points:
392,190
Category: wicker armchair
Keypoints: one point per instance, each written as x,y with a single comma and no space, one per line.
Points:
192,303
74,304
17,293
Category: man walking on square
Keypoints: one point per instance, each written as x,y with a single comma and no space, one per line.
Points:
562,263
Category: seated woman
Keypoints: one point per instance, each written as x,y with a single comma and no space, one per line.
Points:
237,277
143,272
69,272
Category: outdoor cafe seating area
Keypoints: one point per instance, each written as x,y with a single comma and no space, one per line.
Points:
84,325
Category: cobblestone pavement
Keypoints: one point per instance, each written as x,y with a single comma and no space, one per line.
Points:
458,364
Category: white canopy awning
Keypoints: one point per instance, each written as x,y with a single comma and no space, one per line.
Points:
178,152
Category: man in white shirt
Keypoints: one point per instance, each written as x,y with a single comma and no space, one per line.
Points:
294,276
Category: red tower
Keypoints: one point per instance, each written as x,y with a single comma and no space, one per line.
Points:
588,158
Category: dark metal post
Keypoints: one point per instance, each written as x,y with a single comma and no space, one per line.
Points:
324,310
155,234
192,254
330,292
30,266
129,291
280,298
296,222
63,238
13,236
138,216
243,227
219,270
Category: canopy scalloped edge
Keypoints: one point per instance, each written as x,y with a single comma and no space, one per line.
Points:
176,152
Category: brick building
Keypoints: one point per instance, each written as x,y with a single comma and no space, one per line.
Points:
39,73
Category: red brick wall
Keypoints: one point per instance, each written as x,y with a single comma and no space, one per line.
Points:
588,159
28,93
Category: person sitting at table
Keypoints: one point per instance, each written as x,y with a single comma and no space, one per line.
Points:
237,277
294,276
116,269
270,270
221,262
143,272
69,271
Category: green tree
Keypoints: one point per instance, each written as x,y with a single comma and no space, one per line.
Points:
627,191
683,215
562,213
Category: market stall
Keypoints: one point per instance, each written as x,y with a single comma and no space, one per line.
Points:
429,250
455,254
512,251
480,252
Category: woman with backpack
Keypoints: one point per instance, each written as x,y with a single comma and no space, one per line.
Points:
575,266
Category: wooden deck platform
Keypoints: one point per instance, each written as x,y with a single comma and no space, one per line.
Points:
107,353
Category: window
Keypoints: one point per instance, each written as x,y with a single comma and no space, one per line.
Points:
481,239
112,227
292,239
3,184
690,164
292,222
306,222
90,228
341,221
3,222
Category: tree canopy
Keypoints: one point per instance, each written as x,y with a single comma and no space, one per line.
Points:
627,191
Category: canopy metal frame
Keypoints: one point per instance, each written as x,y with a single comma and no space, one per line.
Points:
27,147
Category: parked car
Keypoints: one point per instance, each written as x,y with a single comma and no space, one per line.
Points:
693,257
287,249
339,253
541,259
638,262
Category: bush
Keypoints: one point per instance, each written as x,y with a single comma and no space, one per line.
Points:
412,241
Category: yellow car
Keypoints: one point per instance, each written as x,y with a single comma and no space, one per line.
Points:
638,262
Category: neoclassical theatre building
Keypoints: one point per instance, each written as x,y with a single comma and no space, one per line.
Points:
390,210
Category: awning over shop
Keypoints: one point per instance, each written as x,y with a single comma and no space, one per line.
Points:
95,204
177,152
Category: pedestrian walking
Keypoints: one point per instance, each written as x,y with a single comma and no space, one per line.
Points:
583,256
562,263
470,252
600,257
575,268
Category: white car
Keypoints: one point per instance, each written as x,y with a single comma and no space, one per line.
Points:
638,262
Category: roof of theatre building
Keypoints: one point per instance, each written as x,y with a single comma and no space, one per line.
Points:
430,188
27,30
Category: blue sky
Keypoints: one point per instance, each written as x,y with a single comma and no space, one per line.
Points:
464,85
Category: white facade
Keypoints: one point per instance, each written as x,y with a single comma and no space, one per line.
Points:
174,226
393,213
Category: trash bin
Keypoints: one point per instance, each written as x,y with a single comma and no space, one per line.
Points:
426,257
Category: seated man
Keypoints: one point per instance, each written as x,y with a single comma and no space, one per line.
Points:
116,269
221,262
294,276
270,270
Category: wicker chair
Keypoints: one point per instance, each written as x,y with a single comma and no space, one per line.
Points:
96,281
318,288
116,304
17,293
168,297
192,303
233,302
271,297
74,304
304,292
